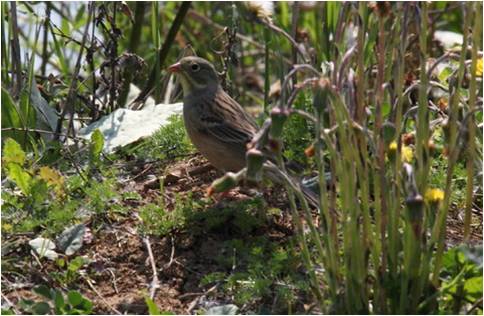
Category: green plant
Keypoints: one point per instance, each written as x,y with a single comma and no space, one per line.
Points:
55,302
381,235
48,198
169,142
260,273
70,275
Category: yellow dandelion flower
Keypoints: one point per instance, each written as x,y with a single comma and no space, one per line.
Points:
393,146
434,195
479,67
407,154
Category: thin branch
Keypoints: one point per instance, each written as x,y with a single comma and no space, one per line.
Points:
204,20
101,297
170,38
155,283
68,106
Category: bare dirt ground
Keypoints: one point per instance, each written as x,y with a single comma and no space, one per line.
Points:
120,274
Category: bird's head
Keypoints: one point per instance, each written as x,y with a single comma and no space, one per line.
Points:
195,74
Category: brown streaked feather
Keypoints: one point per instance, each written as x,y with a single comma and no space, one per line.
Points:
226,119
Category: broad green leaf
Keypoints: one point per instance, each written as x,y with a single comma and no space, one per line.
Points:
76,263
58,300
41,308
473,286
13,153
44,291
389,132
444,74
20,177
86,305
74,298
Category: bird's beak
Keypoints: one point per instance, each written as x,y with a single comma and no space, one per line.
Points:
175,67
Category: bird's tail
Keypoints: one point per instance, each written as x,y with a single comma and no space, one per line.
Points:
309,186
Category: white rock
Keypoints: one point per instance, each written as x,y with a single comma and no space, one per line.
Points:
123,126
448,39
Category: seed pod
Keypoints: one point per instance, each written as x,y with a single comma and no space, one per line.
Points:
255,159
278,118
321,92
227,182
415,208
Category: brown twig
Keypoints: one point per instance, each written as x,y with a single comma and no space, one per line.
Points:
477,304
204,20
101,297
12,305
155,283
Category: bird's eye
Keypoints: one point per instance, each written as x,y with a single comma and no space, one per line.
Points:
195,67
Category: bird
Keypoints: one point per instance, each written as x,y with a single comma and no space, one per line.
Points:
217,125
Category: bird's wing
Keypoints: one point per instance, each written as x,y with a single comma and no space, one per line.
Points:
226,120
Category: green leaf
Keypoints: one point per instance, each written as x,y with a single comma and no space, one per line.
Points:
76,264
79,20
10,113
44,291
389,132
26,109
86,305
12,152
473,286
20,177
58,300
41,308
386,109
59,53
444,74
152,308
74,298
97,144
25,304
